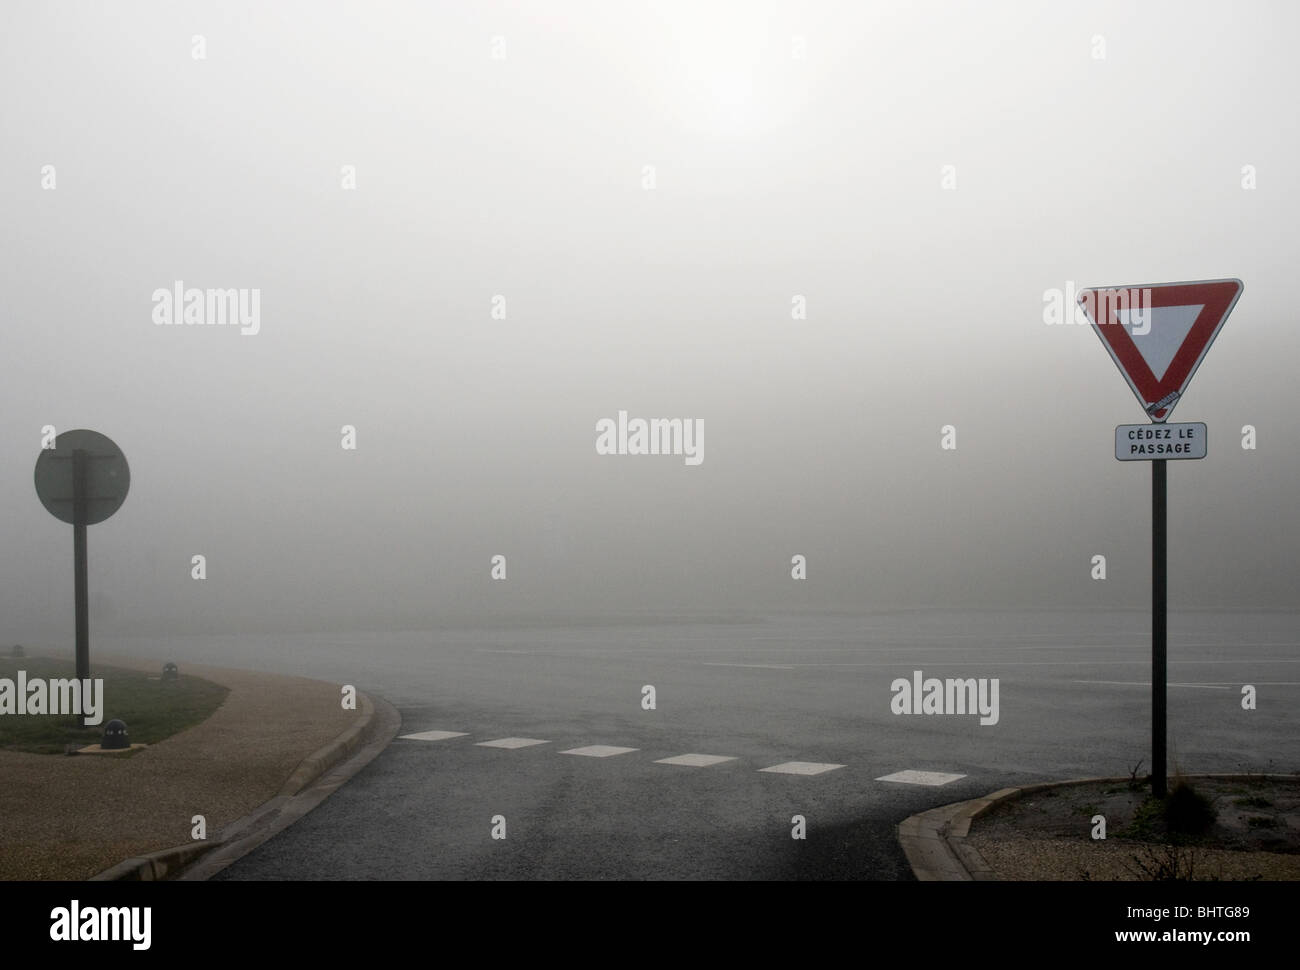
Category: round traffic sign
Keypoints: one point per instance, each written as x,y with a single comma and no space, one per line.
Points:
107,476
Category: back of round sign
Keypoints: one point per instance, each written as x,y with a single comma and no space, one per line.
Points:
107,476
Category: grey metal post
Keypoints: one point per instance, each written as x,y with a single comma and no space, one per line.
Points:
79,470
1159,578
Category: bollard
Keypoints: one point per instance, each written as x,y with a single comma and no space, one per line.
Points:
115,737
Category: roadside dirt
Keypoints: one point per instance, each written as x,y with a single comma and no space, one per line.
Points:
1048,835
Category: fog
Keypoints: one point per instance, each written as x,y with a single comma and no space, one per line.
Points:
651,188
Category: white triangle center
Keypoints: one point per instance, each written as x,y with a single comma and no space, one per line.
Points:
1158,332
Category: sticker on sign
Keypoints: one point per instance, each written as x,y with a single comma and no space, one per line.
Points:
1148,442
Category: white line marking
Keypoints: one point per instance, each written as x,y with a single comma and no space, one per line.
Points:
1147,683
801,768
510,743
764,666
1055,663
434,735
1220,685
599,751
694,760
910,777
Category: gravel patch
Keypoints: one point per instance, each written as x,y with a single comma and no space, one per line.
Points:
1047,835
71,817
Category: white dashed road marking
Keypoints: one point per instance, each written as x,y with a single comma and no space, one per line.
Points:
694,760
909,777
599,751
801,768
434,735
1139,683
1061,663
764,666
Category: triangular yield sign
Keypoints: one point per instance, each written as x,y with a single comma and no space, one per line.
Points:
1158,333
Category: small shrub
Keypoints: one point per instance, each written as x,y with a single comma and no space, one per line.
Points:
1187,811
1164,863
1134,783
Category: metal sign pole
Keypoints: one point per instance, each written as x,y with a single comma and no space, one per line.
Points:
1158,629
65,476
1159,382
79,469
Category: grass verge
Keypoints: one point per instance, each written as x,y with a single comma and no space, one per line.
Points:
153,709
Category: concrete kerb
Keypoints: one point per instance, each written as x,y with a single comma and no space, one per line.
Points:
935,841
378,723
319,762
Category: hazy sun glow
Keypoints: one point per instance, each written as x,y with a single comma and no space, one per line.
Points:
722,81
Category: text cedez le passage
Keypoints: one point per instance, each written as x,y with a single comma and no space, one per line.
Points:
1161,441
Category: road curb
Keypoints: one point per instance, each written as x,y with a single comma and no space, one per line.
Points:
935,843
376,717
277,814
322,760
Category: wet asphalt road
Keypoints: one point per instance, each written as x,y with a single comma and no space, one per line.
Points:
1071,704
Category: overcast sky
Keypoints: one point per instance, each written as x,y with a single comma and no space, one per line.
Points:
649,187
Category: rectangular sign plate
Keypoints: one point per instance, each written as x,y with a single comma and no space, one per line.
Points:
1147,442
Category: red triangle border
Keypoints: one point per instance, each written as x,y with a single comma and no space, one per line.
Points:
1218,298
